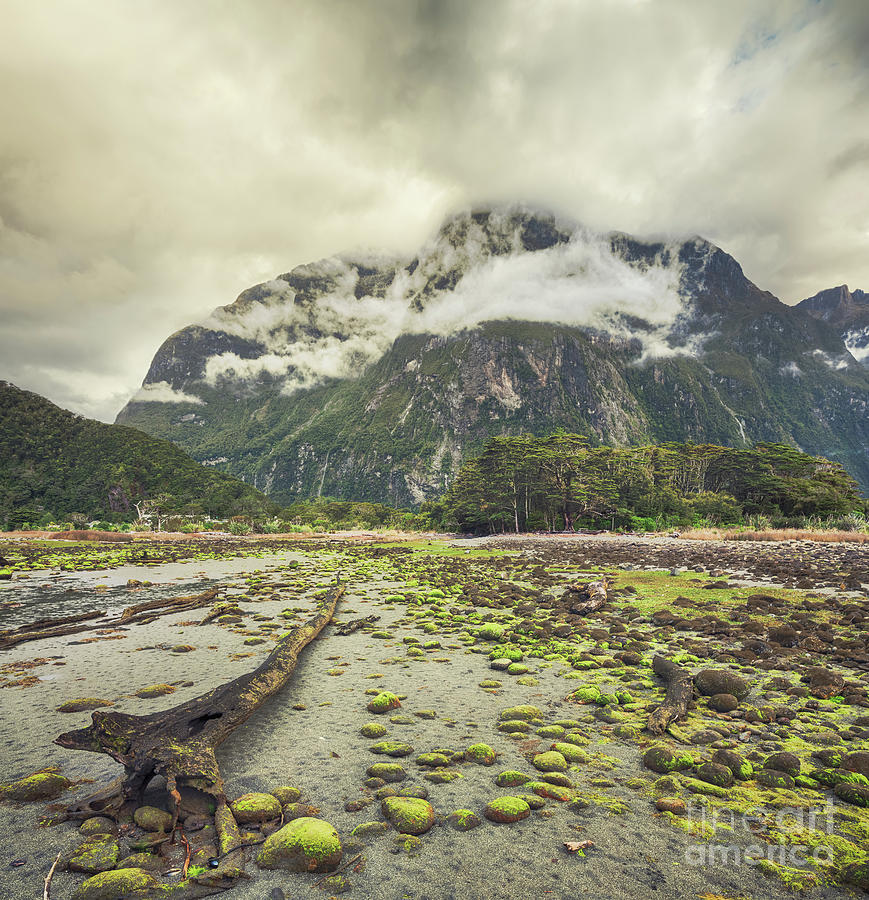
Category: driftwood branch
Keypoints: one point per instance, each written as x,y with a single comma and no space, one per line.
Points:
349,627
132,615
46,890
680,691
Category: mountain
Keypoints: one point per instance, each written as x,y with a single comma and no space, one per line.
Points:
54,463
373,377
848,312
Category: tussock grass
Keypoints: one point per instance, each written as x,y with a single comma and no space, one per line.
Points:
776,534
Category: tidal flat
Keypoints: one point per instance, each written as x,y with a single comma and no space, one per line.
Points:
506,689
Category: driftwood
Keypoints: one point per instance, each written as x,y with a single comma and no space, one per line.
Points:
179,744
349,627
680,691
132,615
586,598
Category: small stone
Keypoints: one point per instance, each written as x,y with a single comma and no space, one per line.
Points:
673,805
149,818
45,785
384,702
98,825
723,703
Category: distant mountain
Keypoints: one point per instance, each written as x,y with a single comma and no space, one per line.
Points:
54,463
848,312
375,377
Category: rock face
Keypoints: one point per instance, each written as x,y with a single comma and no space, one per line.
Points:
375,378
848,311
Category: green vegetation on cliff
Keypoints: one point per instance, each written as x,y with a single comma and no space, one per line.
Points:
56,465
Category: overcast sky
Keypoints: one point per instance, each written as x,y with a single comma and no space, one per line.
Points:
156,158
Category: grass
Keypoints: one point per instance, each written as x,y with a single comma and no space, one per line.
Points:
776,534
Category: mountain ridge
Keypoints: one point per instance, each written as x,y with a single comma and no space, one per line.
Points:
375,378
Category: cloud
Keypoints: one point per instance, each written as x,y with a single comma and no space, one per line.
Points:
578,282
155,161
163,392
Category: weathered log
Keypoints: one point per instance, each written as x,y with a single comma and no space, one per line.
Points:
179,743
349,627
586,598
680,691
132,612
39,624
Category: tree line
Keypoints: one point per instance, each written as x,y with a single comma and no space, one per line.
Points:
561,482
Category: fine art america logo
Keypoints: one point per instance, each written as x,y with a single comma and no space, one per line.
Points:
789,825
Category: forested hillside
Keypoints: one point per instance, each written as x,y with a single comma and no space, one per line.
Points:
54,464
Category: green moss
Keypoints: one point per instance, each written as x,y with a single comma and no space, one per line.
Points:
588,693
511,778
44,785
373,730
793,879
409,815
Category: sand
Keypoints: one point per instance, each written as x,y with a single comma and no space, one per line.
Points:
319,748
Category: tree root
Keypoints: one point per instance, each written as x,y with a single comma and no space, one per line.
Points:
680,691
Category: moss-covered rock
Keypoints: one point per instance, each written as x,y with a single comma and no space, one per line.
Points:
155,690
571,752
551,731
82,704
549,761
433,760
409,815
772,779
514,726
303,845
373,730
664,760
491,631
98,825
463,820
389,772
511,778
369,830
120,884
150,818
783,762
524,713
383,703
147,861
741,768
480,753
391,748
505,810
721,681
588,693
98,853
714,773
254,808
286,793
856,794
44,785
